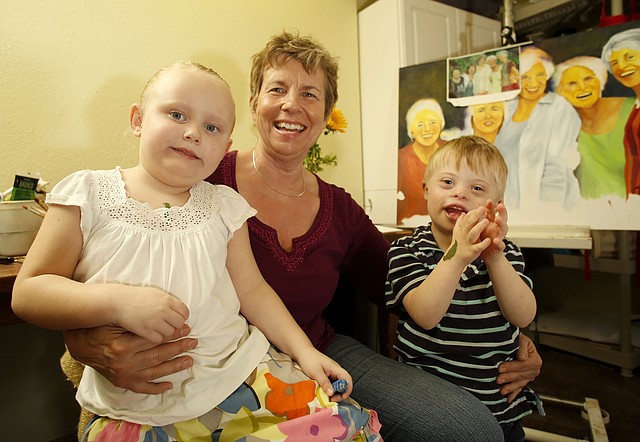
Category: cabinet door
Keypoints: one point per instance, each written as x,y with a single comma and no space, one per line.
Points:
477,33
395,34
429,32
380,205
432,31
379,40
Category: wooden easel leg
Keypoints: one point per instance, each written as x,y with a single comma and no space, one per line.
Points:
592,413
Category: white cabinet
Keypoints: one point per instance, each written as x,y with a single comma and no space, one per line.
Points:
394,34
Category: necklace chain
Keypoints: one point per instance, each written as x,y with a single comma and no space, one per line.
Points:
253,160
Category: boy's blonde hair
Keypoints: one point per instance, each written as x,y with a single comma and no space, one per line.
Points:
187,65
311,54
480,155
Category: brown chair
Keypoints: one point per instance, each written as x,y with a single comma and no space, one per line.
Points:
366,322
73,369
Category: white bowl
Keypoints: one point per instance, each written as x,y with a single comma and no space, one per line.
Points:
18,227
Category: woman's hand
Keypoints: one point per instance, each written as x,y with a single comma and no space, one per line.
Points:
321,369
129,361
515,375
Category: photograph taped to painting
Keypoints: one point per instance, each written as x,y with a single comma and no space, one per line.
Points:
570,136
484,77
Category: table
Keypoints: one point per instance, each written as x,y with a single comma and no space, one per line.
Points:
8,273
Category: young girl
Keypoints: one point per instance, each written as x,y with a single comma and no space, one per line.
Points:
154,247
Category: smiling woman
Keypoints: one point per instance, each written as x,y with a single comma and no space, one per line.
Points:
425,121
485,119
542,142
622,55
601,170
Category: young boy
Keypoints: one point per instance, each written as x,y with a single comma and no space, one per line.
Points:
458,284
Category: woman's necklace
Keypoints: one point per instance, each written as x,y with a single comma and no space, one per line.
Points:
253,159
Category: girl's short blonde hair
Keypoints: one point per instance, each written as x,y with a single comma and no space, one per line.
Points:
187,65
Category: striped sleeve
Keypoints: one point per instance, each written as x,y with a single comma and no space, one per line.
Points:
411,259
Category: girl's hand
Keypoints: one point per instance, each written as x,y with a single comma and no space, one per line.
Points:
149,312
324,370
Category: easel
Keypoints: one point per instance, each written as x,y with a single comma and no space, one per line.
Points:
590,410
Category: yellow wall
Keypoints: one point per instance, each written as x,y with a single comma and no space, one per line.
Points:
69,71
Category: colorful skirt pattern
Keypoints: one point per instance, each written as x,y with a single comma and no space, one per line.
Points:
278,402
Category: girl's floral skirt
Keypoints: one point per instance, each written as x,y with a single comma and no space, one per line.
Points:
278,402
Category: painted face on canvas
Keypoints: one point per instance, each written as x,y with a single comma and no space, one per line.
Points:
426,128
625,66
580,86
533,83
487,118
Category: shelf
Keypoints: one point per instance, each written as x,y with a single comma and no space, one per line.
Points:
8,273
623,355
607,265
551,236
609,353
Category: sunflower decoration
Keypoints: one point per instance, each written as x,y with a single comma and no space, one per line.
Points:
316,162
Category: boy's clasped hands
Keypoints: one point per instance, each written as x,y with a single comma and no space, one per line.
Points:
480,232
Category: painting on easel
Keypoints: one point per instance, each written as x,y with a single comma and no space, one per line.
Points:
569,127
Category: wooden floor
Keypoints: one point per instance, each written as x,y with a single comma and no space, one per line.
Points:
574,378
